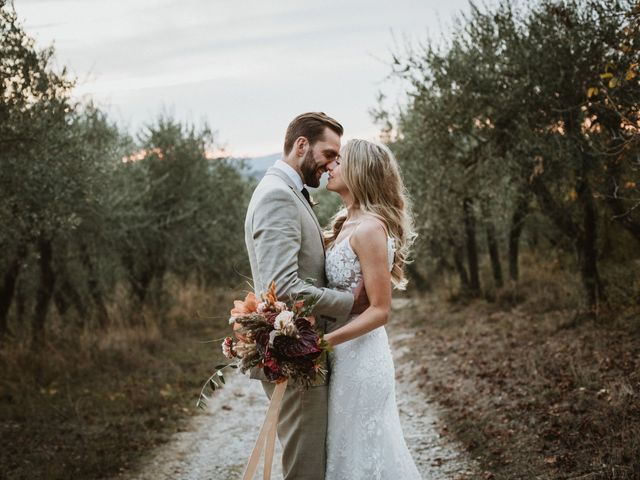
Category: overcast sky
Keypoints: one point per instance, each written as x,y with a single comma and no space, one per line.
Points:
246,66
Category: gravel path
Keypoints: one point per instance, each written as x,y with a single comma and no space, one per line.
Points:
217,443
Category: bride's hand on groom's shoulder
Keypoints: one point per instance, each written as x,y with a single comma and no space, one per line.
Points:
360,299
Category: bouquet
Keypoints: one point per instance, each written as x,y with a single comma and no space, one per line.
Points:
276,337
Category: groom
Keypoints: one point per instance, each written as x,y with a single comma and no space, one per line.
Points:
285,244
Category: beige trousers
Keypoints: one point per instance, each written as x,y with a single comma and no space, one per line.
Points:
302,431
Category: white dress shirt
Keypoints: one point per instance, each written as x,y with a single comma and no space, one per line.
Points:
291,173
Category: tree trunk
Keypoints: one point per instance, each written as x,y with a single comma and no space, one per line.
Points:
139,278
45,291
517,224
472,246
458,261
584,236
494,254
551,209
61,303
588,251
66,295
8,288
94,286
21,301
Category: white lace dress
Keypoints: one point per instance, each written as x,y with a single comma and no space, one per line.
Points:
364,437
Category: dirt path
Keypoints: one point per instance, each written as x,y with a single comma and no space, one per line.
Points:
217,443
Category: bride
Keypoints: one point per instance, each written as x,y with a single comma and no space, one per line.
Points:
368,242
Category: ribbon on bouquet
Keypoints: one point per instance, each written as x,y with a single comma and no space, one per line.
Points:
266,437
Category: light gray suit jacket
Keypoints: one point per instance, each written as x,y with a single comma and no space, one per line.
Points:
285,245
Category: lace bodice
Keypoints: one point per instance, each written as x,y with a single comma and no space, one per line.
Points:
343,267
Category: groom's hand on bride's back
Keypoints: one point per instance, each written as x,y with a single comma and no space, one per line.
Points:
360,299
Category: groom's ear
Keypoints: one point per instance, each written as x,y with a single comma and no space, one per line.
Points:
300,146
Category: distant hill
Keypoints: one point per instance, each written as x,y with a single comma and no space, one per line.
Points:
259,165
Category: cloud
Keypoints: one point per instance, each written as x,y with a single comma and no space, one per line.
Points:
247,67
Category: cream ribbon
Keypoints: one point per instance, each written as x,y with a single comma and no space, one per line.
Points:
266,437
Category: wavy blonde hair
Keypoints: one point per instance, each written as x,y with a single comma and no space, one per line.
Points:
370,172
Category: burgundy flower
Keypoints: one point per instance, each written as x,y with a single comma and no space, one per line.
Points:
262,341
271,317
271,368
306,342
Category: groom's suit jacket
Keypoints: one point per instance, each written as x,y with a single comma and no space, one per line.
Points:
285,245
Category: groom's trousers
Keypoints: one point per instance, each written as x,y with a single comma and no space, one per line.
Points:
302,431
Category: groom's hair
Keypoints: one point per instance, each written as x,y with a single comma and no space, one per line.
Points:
311,126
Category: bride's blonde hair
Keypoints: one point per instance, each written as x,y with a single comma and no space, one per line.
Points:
370,172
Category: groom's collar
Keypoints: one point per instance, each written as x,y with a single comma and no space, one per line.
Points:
291,173
282,174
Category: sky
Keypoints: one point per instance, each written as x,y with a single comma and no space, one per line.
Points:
247,67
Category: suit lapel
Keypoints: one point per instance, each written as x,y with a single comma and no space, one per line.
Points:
279,173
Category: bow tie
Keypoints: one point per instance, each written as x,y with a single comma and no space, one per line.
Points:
306,195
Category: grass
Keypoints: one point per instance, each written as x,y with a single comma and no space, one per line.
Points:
530,392
89,405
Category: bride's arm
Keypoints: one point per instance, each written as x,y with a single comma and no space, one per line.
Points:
369,242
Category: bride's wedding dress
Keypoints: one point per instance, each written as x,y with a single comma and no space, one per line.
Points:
364,437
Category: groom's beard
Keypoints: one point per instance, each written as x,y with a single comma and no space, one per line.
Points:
309,170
